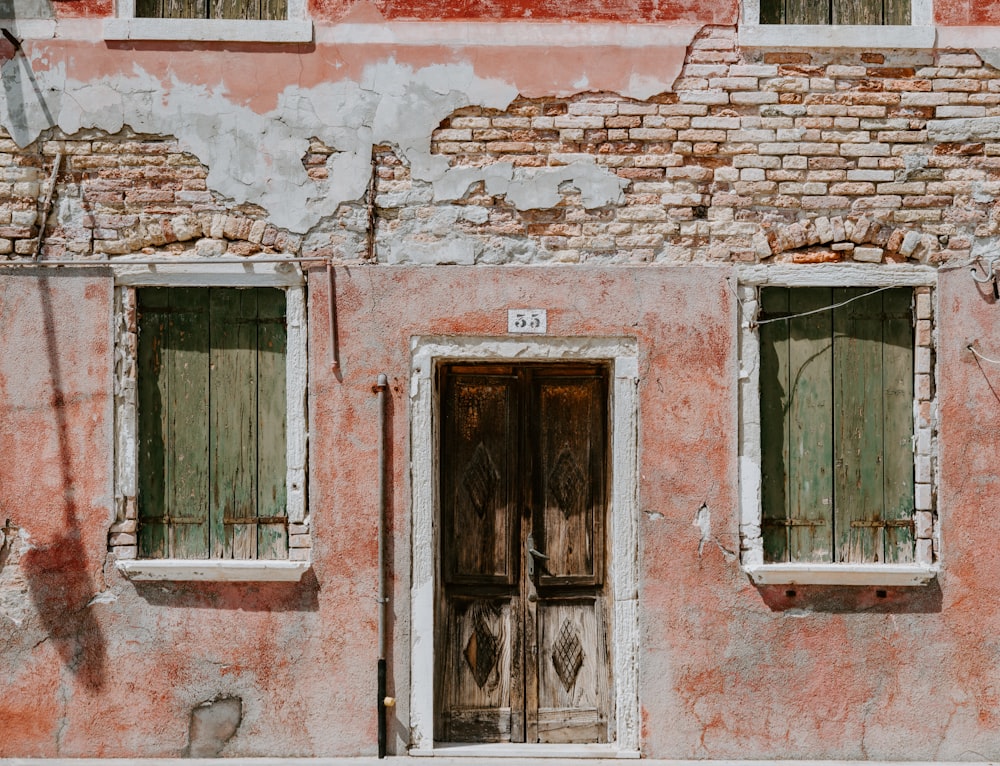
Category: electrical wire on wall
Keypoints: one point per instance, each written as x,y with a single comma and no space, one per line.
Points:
753,323
981,357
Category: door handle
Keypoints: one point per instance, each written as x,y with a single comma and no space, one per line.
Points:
534,555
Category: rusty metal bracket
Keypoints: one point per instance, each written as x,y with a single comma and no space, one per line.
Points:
255,520
881,523
793,522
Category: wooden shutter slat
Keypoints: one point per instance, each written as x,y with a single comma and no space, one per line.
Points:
774,396
152,422
183,9
897,387
807,12
274,9
856,11
772,12
234,422
858,421
810,433
896,12
149,9
186,436
272,540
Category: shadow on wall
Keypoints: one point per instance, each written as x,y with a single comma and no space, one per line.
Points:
302,596
839,599
56,570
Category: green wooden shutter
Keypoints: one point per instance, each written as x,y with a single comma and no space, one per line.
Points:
796,427
212,423
173,422
836,392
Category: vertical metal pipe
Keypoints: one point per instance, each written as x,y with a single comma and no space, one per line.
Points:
381,386
331,305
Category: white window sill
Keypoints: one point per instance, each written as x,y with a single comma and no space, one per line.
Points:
209,30
835,36
890,575
212,570
523,751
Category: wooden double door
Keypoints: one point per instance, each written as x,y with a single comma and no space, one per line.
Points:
522,640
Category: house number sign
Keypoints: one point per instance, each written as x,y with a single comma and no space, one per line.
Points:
531,321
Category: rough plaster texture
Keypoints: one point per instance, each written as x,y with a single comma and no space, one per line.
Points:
796,157
252,133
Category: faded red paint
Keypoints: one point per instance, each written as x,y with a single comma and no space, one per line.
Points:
966,13
632,11
240,76
68,9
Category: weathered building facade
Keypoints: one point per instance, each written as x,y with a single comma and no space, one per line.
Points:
687,314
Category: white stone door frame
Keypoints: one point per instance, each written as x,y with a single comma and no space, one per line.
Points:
623,566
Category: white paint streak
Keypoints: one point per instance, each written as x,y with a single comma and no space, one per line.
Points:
703,521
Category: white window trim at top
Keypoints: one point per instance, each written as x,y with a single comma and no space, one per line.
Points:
750,280
920,33
245,273
297,28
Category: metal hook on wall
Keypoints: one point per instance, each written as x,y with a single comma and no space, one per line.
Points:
989,275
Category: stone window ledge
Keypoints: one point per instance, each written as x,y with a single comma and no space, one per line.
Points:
209,30
212,570
891,575
836,36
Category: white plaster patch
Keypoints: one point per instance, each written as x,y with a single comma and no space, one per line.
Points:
255,157
990,55
536,189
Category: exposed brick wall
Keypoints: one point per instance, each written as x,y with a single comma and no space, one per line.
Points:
746,146
794,155
123,194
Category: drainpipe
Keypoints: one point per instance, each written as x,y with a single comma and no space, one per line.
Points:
384,701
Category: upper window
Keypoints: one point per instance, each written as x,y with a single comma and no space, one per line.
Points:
212,9
836,414
864,24
891,12
264,21
211,423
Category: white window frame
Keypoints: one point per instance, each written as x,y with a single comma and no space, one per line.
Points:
246,273
750,280
920,33
622,353
297,28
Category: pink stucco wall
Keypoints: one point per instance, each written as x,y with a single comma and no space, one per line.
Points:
727,670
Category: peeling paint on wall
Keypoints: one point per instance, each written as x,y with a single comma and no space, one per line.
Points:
255,154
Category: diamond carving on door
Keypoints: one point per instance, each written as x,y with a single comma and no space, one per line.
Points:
567,655
521,637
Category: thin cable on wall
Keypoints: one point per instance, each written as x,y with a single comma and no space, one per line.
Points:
756,323
984,358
